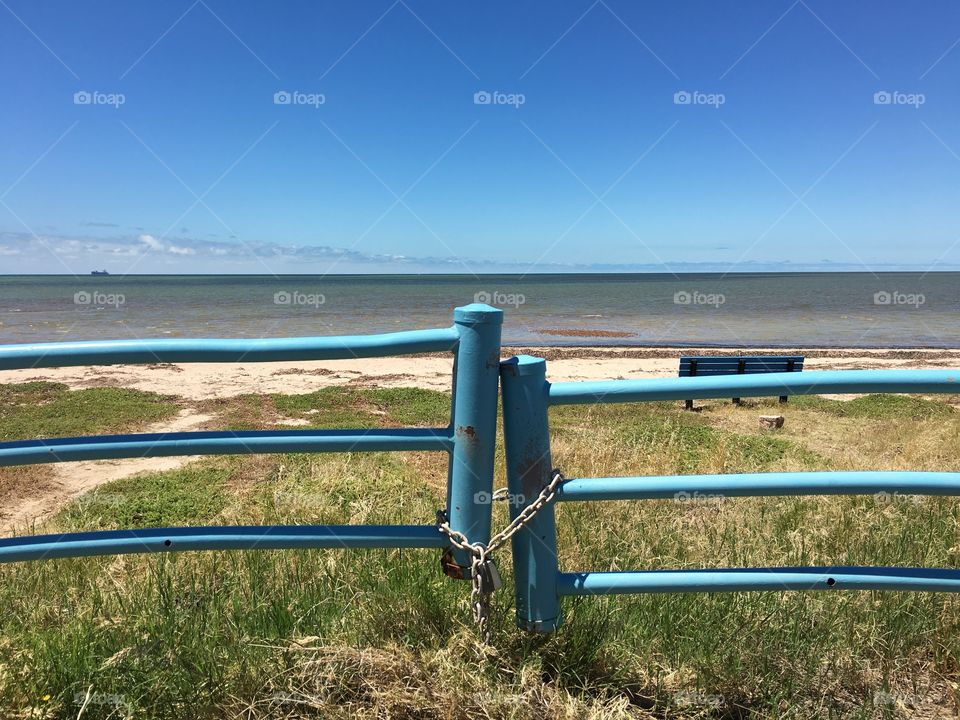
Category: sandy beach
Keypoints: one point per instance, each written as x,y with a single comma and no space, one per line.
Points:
202,381
53,486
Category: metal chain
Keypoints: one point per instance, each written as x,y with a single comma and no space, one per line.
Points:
480,554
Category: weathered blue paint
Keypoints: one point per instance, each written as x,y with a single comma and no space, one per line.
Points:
133,352
474,423
527,447
725,386
469,439
694,488
771,579
251,537
103,447
521,424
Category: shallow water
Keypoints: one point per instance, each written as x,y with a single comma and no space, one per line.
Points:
762,309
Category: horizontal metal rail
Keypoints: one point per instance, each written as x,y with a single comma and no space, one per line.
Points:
760,385
771,579
109,447
134,352
249,537
694,488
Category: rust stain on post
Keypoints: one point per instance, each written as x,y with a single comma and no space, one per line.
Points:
467,431
534,473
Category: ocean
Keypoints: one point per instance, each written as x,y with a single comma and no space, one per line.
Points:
857,310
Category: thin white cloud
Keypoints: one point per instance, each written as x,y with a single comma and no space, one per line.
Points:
27,253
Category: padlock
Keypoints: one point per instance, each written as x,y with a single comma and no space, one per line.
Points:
490,580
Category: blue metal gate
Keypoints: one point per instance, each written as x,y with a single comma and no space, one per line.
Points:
540,584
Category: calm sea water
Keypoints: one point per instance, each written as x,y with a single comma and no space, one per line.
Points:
768,309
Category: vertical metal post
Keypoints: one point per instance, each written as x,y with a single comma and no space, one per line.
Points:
476,375
529,465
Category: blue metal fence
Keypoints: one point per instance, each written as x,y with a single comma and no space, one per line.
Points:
540,584
469,439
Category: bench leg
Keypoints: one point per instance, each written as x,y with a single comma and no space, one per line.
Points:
688,405
741,369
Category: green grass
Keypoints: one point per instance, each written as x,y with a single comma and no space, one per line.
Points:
356,634
190,496
353,407
47,409
878,406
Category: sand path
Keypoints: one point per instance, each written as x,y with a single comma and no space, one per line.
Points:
203,381
36,501
29,505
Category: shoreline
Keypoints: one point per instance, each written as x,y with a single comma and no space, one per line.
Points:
204,381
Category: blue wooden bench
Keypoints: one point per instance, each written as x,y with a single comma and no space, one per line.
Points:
731,365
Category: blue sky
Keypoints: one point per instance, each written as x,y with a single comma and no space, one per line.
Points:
617,136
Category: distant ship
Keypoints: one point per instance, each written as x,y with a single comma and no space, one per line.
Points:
99,272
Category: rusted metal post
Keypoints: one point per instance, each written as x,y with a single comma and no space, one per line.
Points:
529,468
475,381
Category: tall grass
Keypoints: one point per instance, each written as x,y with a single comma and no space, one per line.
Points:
355,634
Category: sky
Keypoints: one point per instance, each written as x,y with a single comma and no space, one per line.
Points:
406,136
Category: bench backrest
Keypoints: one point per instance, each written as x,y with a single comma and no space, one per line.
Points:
731,365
